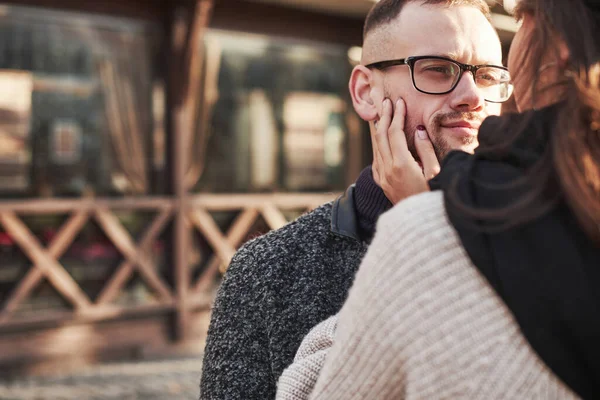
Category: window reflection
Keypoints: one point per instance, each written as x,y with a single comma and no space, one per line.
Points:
15,118
76,114
78,101
277,117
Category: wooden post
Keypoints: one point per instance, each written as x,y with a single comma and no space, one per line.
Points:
184,94
182,233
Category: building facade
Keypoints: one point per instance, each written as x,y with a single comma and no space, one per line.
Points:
141,143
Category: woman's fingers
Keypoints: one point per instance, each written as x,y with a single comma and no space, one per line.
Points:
394,167
380,142
382,156
397,137
375,166
431,165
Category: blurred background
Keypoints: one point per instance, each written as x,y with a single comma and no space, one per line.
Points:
141,143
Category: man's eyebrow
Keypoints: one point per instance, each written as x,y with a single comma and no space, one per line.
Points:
451,55
454,56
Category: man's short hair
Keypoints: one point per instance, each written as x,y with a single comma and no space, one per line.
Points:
385,11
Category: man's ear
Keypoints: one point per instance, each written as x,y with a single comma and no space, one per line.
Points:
365,97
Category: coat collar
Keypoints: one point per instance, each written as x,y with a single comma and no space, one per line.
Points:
343,216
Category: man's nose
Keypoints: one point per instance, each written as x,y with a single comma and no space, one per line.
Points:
467,96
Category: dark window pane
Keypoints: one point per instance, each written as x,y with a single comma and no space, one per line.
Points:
76,105
275,115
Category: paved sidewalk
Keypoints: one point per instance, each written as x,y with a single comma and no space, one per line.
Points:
157,380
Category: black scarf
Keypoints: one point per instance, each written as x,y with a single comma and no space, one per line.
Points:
546,271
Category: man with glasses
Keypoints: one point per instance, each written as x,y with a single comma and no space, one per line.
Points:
442,61
437,76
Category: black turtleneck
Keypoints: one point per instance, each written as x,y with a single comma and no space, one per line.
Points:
370,203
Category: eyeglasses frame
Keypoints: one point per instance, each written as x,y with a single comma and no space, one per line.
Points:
410,62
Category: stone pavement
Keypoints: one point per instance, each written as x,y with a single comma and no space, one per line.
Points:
157,380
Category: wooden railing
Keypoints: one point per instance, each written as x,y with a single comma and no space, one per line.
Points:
136,254
46,264
251,207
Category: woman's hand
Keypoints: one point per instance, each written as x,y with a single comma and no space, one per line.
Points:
394,168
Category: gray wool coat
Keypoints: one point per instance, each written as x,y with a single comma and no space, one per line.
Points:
276,289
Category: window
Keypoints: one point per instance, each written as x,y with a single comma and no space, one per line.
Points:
277,115
76,105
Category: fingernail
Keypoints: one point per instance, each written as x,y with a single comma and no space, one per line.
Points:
421,132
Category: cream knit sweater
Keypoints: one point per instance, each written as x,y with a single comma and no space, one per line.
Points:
420,322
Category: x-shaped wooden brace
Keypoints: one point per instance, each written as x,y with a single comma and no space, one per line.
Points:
45,261
136,255
236,234
225,246
203,221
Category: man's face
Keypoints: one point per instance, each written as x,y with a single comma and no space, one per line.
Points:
460,33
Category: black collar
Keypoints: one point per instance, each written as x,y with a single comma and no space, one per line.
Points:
343,216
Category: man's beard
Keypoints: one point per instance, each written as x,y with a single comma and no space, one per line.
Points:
439,142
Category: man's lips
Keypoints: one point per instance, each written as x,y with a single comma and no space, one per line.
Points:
462,124
463,128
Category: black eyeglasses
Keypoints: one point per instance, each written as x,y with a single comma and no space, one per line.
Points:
440,75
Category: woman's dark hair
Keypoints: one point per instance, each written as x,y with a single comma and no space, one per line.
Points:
570,169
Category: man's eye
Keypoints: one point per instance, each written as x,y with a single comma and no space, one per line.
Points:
488,77
495,75
442,69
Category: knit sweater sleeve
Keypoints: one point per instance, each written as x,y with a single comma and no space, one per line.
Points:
299,379
236,360
366,359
